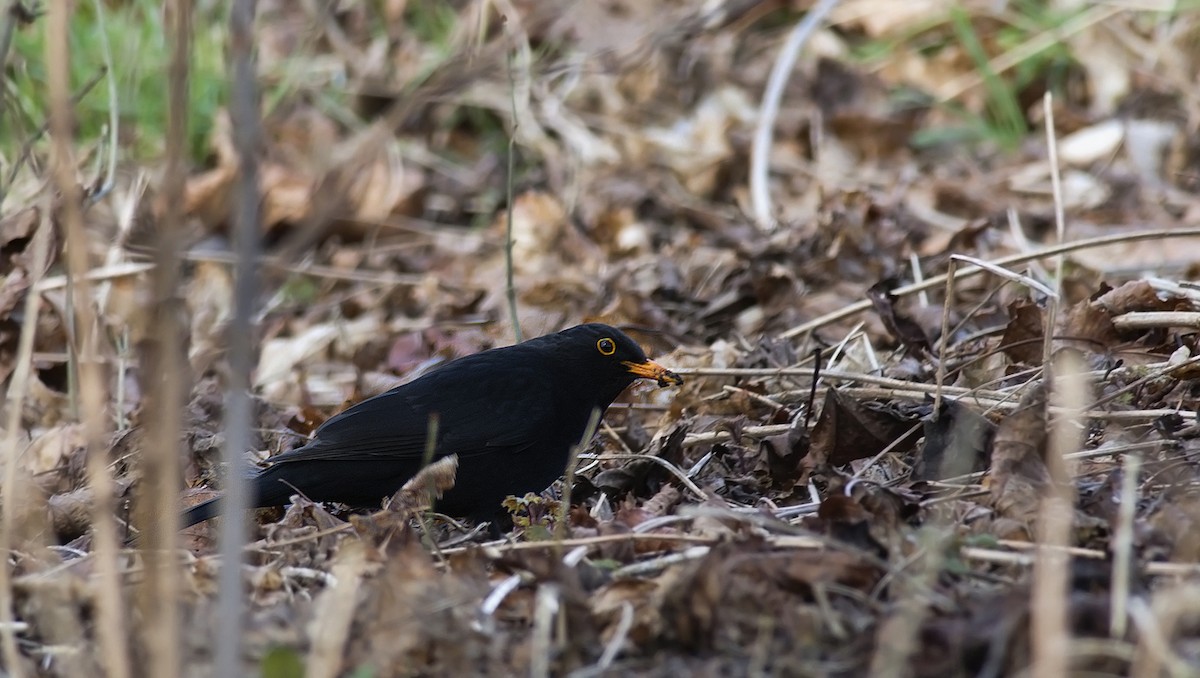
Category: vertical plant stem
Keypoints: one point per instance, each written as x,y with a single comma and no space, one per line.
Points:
165,376
17,387
768,111
110,619
114,111
510,289
244,111
1049,624
560,528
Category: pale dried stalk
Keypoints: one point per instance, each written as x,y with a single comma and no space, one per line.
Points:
110,623
944,339
335,607
17,387
165,388
930,283
1123,546
897,636
764,130
1049,625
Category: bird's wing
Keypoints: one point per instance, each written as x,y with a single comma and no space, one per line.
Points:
500,410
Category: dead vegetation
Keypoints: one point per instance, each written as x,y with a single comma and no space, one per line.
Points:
940,410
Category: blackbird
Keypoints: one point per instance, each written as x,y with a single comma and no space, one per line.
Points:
511,415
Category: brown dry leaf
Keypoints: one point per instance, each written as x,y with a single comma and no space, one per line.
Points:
286,195
1024,333
70,513
712,526
1174,526
129,306
1019,476
436,479
1090,322
639,594
18,226
411,615
785,454
688,598
850,429
1147,255
956,443
540,230
1138,295
846,518
12,291
695,148
902,326
51,449
280,357
330,627
209,298
613,28
1093,143
1079,189
658,505
1091,319
382,184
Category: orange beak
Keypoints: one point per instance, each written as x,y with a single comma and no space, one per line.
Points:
652,370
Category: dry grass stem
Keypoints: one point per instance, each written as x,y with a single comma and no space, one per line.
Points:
768,110
1053,251
111,619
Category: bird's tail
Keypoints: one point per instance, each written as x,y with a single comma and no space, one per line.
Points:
201,512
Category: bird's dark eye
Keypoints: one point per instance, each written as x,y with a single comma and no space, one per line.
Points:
606,346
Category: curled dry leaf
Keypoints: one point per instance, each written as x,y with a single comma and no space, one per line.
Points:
435,480
850,429
1024,333
1019,476
956,443
209,298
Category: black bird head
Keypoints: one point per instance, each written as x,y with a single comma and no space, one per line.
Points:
609,356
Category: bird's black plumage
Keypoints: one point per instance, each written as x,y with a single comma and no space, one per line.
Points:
510,414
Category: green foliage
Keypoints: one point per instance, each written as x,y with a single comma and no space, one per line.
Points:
982,39
282,662
298,290
140,53
1004,111
432,22
983,541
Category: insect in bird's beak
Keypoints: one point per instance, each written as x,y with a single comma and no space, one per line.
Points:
652,370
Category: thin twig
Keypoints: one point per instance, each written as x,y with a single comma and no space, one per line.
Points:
564,512
944,339
764,131
1122,546
929,283
110,618
114,110
17,388
27,147
1067,389
510,289
165,383
1004,273
244,111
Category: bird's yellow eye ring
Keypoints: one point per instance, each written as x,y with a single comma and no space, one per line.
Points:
606,346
